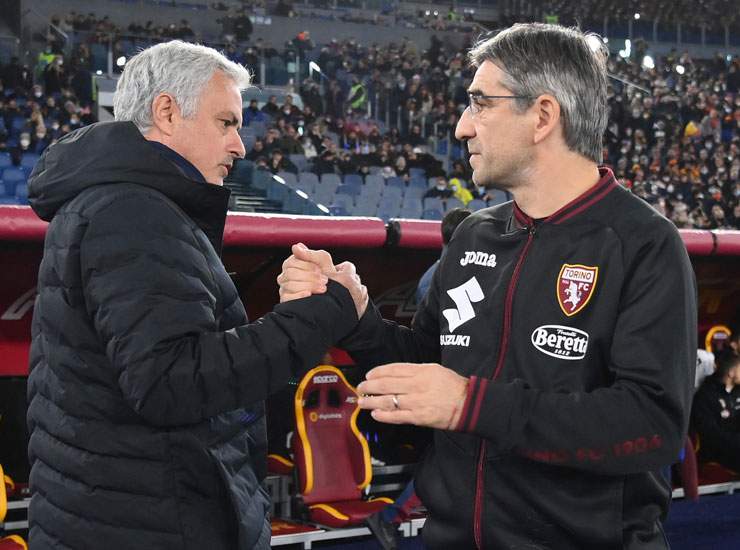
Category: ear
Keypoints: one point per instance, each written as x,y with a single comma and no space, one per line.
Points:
547,112
165,113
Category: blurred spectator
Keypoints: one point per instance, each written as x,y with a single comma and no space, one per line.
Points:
279,163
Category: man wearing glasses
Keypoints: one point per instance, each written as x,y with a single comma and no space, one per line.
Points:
554,353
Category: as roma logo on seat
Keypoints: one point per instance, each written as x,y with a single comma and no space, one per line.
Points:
576,284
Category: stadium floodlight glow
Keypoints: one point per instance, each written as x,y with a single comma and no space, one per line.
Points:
301,194
637,16
278,179
594,42
680,69
606,40
121,61
98,72
313,66
323,208
648,62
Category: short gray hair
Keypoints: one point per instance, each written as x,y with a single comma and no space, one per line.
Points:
537,59
175,67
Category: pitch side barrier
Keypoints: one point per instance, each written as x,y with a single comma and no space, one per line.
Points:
390,258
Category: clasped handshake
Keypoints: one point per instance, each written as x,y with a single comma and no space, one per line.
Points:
424,394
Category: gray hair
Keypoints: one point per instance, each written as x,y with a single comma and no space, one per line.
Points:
175,67
537,59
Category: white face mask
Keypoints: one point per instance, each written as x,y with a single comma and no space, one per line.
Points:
25,143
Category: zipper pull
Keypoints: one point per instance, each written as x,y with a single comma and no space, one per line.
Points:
532,230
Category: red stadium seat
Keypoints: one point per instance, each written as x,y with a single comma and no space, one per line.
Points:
331,455
711,473
279,465
12,542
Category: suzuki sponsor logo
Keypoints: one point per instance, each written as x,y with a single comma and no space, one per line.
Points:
464,297
325,379
454,340
478,258
562,342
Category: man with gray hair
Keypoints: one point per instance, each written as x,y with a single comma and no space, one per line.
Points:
146,382
554,353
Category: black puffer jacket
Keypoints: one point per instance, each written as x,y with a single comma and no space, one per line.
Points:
146,383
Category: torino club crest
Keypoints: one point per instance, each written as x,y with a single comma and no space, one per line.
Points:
576,285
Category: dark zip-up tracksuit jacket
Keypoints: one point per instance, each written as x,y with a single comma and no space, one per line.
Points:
578,335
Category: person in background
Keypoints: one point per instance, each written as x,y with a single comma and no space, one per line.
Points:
450,221
715,413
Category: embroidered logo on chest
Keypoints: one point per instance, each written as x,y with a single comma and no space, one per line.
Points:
575,286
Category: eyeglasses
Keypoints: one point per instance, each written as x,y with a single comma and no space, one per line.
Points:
476,107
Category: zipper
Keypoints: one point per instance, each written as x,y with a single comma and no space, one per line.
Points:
477,511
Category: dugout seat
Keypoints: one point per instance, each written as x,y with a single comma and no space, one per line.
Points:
332,457
709,472
12,542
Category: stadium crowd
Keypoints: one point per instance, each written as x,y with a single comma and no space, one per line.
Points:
678,146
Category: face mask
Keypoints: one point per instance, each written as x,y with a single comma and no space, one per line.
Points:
25,143
40,136
55,126
74,120
37,94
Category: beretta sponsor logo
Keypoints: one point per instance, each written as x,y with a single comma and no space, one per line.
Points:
561,342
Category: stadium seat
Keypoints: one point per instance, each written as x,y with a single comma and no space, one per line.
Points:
415,172
12,177
5,161
433,203
261,179
29,160
12,542
411,211
498,197
332,457
347,189
290,179
452,202
395,181
343,199
415,192
431,214
308,181
353,179
338,210
476,204
300,161
374,181
331,179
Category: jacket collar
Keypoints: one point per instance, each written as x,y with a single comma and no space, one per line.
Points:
606,184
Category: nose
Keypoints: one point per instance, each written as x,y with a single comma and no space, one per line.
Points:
236,146
465,128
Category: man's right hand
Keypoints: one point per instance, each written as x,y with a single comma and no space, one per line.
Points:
307,271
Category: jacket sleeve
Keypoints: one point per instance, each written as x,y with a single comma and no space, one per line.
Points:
150,294
639,421
377,341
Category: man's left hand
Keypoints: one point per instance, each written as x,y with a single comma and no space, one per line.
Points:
425,394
